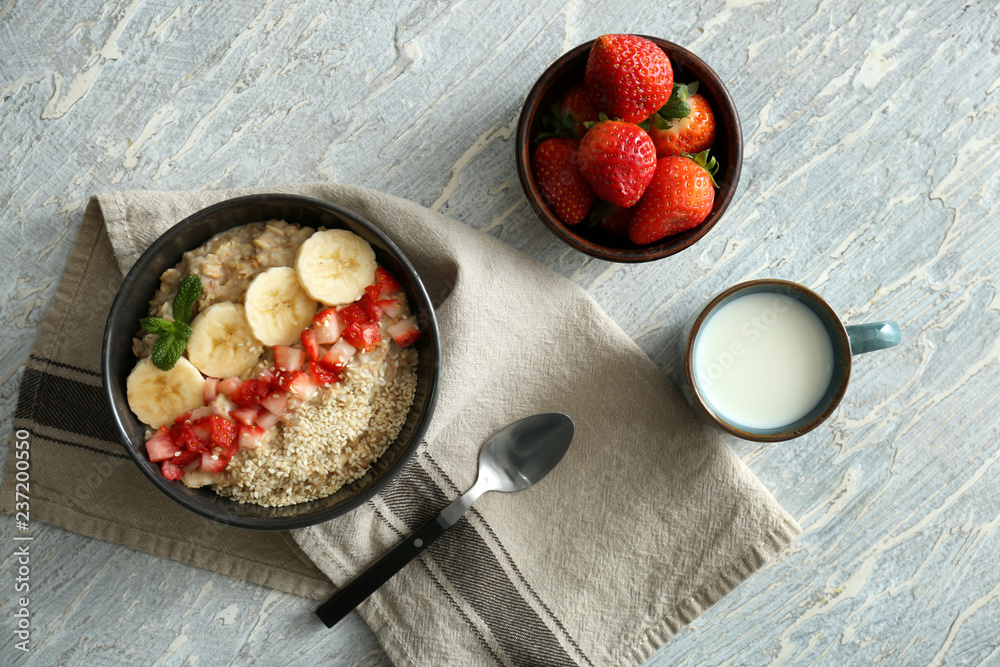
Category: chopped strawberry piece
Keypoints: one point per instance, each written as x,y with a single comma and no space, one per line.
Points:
243,415
322,375
352,314
185,457
211,390
298,384
309,344
275,403
201,430
171,471
161,448
223,431
370,306
363,336
387,282
204,411
213,462
267,419
390,307
250,437
405,332
327,326
229,385
285,378
303,387
268,376
252,392
185,436
288,358
182,418
338,355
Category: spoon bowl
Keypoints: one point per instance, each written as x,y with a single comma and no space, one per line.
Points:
521,454
517,456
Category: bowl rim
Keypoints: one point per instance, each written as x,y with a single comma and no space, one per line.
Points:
537,202
267,523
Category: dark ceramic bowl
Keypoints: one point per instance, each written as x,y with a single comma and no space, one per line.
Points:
132,303
593,240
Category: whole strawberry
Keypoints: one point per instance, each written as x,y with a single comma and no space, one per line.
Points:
628,77
566,119
615,220
692,133
618,160
565,190
679,197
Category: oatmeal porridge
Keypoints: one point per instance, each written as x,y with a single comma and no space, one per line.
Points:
276,365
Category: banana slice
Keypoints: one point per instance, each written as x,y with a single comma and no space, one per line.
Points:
335,266
277,307
156,396
222,343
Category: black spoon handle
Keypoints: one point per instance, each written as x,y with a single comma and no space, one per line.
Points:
368,581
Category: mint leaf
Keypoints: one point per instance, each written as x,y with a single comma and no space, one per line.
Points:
180,330
166,352
187,293
156,325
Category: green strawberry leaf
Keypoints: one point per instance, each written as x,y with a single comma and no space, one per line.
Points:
187,294
166,352
706,162
676,106
557,125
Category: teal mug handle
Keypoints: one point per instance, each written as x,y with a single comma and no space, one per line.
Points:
873,336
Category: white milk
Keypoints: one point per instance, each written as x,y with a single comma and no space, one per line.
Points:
763,360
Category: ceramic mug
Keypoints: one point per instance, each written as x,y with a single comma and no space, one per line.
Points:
769,360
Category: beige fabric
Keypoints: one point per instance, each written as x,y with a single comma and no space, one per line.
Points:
649,519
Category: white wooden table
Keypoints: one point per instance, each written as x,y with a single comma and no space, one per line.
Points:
871,174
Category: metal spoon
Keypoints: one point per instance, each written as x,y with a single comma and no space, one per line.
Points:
513,459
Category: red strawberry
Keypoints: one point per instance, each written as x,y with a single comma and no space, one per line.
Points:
628,77
161,448
364,336
338,355
679,197
693,133
565,190
244,415
613,219
405,332
309,344
352,314
566,119
223,431
213,462
322,375
618,160
327,326
251,392
250,437
171,471
388,283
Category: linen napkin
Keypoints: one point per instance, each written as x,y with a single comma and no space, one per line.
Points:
648,520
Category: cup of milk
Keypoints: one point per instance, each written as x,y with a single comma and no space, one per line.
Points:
769,360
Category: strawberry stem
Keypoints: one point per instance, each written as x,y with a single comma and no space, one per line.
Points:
557,125
706,162
676,107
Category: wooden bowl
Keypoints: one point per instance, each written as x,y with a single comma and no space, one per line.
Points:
591,239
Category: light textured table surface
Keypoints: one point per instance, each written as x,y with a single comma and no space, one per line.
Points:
871,174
